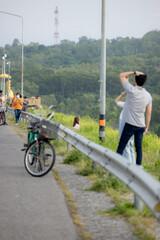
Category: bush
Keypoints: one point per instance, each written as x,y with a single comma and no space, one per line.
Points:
73,157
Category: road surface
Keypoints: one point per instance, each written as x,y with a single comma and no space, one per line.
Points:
30,208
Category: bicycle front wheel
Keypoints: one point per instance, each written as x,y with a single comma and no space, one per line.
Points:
39,158
2,118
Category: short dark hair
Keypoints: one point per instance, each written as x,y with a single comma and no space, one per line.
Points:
25,97
1,91
141,79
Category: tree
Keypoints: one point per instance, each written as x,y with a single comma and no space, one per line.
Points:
15,43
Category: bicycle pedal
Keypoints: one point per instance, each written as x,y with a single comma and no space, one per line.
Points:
23,149
25,145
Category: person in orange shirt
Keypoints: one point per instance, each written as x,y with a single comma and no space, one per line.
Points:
18,103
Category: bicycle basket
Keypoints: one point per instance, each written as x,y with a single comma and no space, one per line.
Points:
47,130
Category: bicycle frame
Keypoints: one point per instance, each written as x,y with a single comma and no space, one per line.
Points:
32,136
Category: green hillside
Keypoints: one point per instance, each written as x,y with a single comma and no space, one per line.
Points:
67,74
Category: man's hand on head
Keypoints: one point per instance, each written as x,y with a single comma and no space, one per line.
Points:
139,73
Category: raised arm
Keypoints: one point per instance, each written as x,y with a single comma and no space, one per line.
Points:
125,76
119,97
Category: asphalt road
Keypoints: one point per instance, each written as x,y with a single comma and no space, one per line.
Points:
30,208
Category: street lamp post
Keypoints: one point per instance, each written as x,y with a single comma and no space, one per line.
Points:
4,74
9,66
15,15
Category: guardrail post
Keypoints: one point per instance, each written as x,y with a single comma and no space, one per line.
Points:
157,154
68,147
58,138
94,164
138,204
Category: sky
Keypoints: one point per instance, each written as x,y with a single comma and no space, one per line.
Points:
77,18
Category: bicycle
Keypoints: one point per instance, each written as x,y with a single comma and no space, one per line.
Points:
39,155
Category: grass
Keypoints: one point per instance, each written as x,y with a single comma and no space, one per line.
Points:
143,222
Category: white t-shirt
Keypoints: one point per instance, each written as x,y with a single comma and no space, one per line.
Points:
135,106
121,105
76,127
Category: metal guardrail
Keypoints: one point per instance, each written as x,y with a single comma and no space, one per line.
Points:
139,181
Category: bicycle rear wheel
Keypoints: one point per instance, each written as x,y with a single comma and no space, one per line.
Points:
2,118
39,158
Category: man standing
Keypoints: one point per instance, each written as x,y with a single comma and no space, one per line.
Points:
25,104
137,103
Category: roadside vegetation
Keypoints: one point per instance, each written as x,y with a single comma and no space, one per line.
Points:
143,222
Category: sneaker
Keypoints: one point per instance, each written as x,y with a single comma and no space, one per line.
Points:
16,123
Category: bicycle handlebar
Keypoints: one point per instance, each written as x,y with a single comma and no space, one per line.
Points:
43,114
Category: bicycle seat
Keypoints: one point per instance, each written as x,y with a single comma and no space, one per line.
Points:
29,127
34,123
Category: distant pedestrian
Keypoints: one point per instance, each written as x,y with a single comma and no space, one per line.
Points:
128,152
18,103
76,123
138,101
25,104
3,106
2,97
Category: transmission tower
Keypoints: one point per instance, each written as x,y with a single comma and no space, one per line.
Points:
56,22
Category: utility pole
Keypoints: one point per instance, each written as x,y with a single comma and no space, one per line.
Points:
102,108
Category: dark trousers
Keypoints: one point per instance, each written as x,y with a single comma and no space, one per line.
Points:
17,114
128,131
